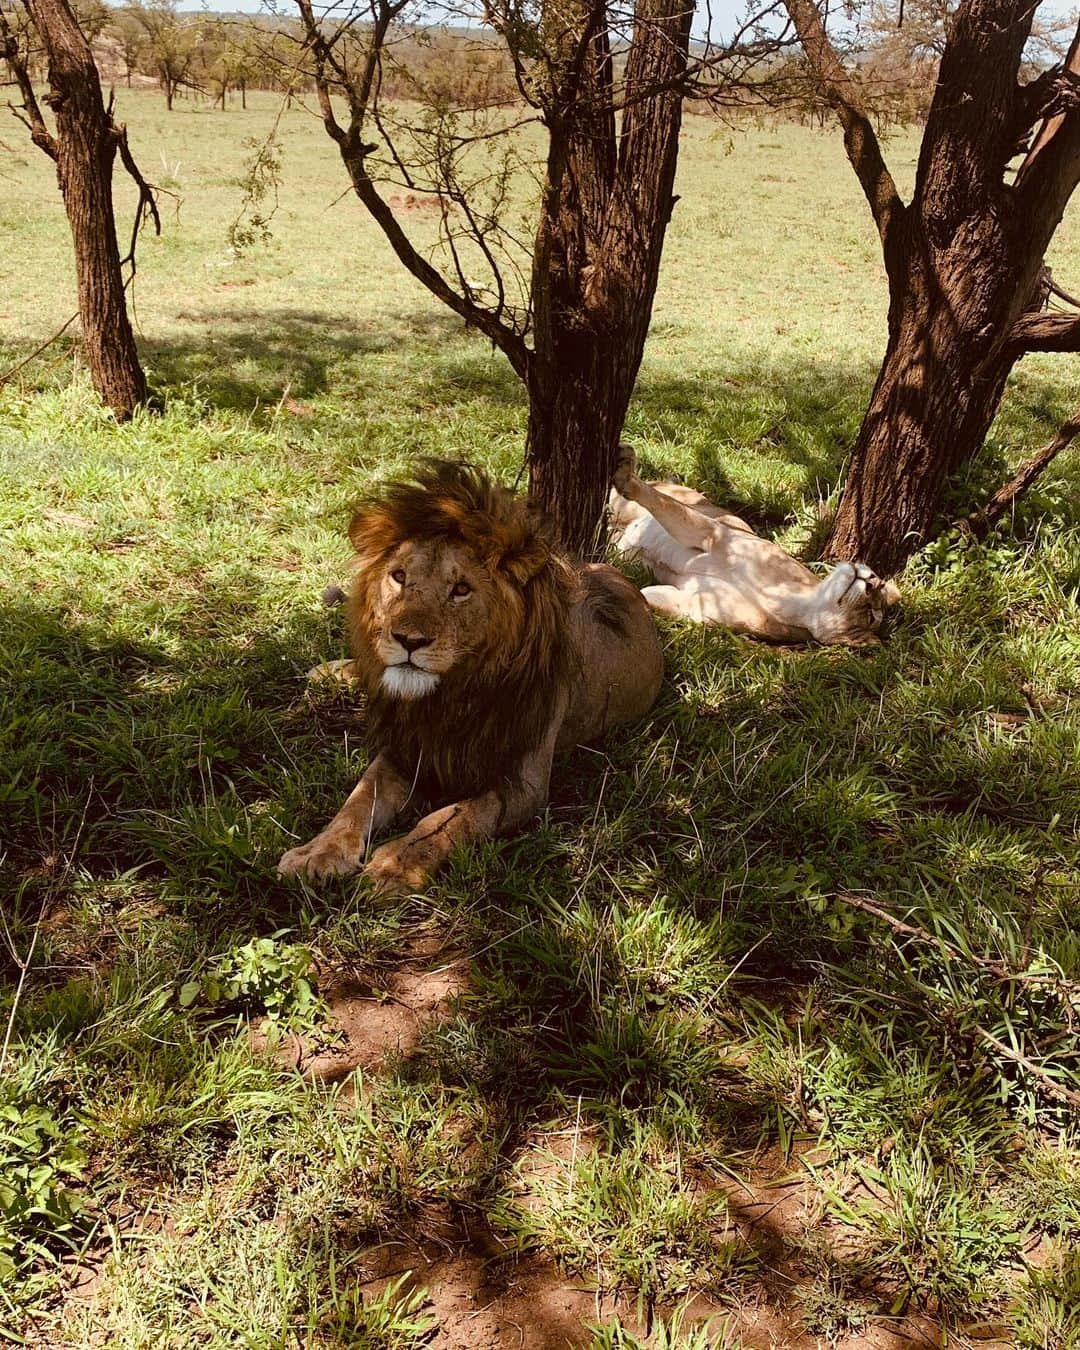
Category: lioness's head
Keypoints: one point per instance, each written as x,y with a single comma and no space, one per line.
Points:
854,602
452,572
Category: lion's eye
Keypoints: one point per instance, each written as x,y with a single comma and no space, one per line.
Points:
461,589
398,575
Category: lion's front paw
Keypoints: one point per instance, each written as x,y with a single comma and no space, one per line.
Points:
395,870
334,853
625,471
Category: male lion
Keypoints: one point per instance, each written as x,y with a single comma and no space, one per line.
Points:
483,652
715,569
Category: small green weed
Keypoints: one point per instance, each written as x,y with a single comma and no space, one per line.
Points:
39,1211
264,975
667,1334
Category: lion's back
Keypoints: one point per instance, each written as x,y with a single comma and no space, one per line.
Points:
618,655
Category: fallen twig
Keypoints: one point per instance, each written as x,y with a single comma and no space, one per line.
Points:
1050,1086
1069,991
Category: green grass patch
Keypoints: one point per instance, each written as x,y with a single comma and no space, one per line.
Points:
667,964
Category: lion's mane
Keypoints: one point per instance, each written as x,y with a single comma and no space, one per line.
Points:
472,731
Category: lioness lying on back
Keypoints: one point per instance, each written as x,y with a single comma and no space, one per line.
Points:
712,567
483,652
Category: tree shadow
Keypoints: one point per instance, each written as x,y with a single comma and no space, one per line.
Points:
123,753
251,361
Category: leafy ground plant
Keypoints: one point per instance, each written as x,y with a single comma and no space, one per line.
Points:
264,975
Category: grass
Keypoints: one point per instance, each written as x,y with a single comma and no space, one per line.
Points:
667,971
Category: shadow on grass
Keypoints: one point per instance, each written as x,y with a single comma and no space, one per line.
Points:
121,752
251,361
722,821
767,433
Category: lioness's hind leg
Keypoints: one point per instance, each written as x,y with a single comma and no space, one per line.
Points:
686,526
671,600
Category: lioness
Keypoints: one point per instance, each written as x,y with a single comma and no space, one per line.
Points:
712,567
483,652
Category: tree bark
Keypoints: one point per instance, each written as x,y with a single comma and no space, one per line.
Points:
936,395
596,262
85,147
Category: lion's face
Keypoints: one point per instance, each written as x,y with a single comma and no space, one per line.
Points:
432,608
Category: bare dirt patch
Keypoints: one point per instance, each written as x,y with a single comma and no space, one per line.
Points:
368,1024
486,1298
415,201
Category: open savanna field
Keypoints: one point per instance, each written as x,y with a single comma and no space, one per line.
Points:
645,1074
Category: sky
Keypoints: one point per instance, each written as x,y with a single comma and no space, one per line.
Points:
725,13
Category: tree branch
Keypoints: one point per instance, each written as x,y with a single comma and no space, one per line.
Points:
1050,95
147,203
354,151
1051,168
860,140
1065,989
1063,88
34,121
1052,1088
1043,332
1006,497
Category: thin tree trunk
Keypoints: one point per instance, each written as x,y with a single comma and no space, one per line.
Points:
85,145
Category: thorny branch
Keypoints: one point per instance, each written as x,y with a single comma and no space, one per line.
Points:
860,139
30,116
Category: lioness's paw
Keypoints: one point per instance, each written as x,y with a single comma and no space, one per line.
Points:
327,855
393,871
625,470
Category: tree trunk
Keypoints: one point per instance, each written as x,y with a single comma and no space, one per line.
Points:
578,398
936,395
243,95
606,208
964,262
919,428
85,147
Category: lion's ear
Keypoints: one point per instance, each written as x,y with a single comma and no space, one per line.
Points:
523,562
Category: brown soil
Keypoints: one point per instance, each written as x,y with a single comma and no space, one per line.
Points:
368,1025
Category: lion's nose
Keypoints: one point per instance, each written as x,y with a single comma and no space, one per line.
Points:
411,643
